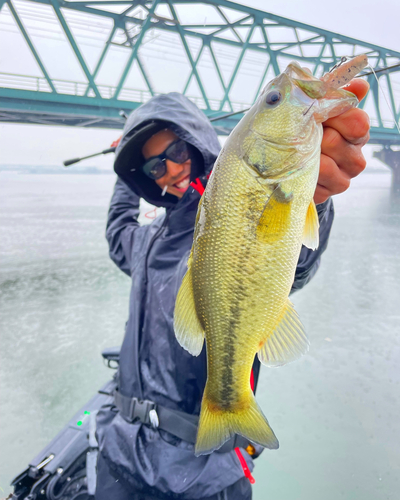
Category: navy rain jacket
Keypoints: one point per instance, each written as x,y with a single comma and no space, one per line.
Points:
153,365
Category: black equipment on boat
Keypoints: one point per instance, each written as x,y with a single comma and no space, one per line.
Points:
66,468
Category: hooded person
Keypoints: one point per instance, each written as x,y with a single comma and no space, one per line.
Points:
146,438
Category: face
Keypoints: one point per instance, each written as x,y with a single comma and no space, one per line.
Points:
177,176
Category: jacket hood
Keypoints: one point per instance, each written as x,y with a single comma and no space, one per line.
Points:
186,120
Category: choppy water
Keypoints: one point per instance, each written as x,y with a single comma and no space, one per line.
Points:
335,411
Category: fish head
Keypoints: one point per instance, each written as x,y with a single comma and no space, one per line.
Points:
283,128
328,100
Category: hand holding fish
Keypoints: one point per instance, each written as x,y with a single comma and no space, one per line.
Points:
341,155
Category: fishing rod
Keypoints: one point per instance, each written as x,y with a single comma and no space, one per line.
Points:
379,70
67,163
122,113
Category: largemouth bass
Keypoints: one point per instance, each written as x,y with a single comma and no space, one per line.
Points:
253,218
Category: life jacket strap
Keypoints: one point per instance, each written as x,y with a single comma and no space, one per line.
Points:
180,424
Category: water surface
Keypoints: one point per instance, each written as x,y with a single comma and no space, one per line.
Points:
335,411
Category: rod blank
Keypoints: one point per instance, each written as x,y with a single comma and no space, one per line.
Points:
67,163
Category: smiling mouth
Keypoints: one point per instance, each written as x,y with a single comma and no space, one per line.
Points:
183,184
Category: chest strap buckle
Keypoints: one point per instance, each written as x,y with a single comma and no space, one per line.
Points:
134,409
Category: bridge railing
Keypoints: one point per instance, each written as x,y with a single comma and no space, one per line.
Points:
39,84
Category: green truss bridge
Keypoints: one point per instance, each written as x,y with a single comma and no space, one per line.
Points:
83,62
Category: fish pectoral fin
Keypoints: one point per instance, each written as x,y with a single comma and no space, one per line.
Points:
188,330
275,218
287,343
311,228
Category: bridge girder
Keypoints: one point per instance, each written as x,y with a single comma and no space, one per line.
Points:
234,41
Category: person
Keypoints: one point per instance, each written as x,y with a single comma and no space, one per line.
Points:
165,156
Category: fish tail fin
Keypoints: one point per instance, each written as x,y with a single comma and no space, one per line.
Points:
217,425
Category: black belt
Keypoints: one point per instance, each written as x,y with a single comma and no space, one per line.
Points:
180,424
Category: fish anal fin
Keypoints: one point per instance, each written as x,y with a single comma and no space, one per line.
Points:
311,227
188,330
288,341
275,218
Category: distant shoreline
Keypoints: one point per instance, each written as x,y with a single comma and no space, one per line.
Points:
91,170
54,170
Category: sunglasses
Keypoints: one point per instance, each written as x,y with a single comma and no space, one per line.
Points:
155,167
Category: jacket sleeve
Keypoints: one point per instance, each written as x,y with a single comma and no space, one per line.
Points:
123,229
309,260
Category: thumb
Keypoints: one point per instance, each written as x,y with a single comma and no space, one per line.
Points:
359,87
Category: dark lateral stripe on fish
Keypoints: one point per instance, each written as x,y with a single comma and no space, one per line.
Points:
228,395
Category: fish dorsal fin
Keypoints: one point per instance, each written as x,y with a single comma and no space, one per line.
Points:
311,227
275,218
288,341
188,330
199,210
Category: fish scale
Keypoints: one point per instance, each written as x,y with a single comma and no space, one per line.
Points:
256,212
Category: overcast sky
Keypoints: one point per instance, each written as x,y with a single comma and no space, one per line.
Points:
371,21
374,21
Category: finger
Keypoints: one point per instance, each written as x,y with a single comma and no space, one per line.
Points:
331,177
321,194
359,87
353,126
347,156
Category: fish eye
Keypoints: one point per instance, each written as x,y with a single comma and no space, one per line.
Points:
273,97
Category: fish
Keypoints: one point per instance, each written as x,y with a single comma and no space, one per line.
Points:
255,214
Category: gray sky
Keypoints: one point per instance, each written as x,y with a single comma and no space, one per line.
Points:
367,20
375,22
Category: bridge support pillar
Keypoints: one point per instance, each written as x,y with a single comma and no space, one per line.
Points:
392,159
